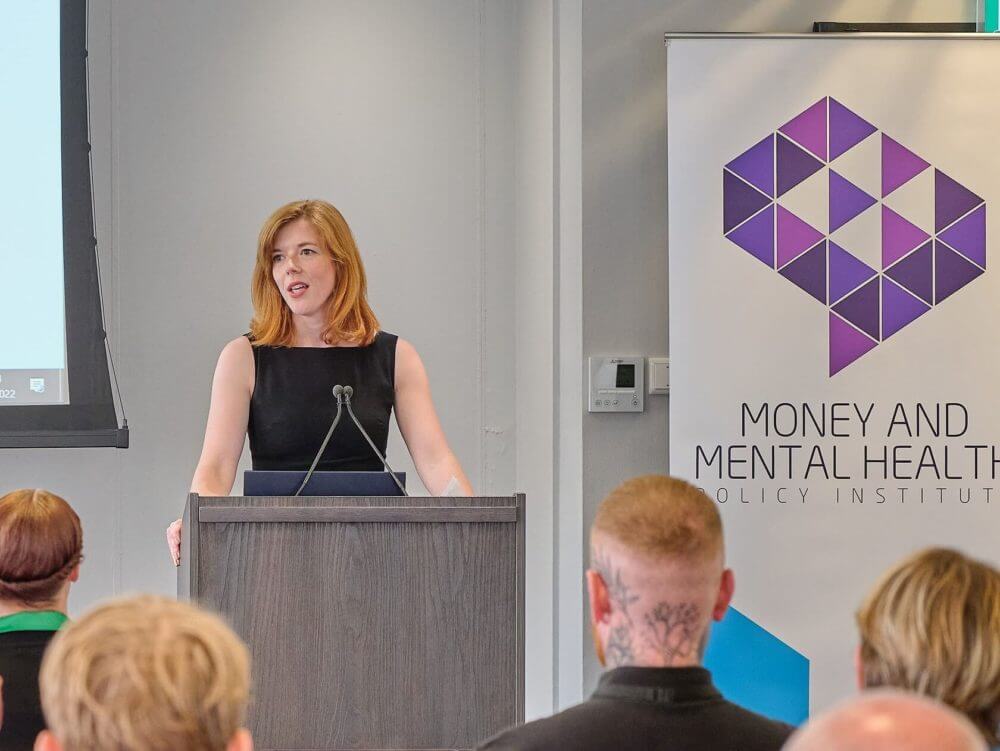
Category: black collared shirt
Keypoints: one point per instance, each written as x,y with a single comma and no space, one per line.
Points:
649,709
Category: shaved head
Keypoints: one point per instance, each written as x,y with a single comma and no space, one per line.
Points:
657,576
888,720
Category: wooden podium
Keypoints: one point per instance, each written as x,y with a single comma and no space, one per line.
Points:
373,623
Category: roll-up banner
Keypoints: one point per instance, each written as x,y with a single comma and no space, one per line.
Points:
835,314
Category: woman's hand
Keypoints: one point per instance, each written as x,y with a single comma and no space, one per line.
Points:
174,541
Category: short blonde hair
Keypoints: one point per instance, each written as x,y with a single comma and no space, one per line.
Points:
41,542
350,317
932,625
660,516
145,674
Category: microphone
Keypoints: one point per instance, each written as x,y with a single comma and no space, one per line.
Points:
348,392
338,393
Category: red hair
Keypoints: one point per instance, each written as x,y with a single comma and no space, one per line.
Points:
41,542
350,318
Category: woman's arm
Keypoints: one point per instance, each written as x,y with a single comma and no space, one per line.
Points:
419,424
226,429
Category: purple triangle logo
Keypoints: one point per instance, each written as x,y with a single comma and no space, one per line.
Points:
756,236
846,272
847,200
793,165
808,272
846,129
847,344
952,271
899,236
741,200
809,129
756,165
899,165
951,200
899,308
794,236
861,308
968,236
916,273
865,305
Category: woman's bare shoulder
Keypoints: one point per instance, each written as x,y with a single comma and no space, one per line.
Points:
236,362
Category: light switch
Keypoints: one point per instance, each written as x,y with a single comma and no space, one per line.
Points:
659,375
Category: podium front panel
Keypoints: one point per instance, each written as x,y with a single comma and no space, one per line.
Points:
373,623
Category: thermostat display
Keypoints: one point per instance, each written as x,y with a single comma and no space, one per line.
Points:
616,384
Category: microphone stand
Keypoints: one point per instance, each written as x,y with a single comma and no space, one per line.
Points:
338,392
348,392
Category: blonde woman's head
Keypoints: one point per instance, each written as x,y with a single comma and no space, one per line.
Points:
145,674
932,625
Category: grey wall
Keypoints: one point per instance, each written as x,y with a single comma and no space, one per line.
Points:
625,194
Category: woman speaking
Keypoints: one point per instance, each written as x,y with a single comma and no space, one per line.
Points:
312,328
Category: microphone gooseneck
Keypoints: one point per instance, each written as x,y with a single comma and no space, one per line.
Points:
348,393
338,393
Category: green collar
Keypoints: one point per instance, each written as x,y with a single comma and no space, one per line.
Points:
32,620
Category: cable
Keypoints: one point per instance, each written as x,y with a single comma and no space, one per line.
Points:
93,218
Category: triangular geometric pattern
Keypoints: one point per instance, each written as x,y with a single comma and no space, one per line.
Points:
862,165
916,273
877,265
968,236
846,272
899,164
794,236
808,272
914,201
899,236
899,308
847,344
862,236
793,164
846,129
808,129
952,271
951,200
862,308
809,200
756,236
756,165
741,201
846,199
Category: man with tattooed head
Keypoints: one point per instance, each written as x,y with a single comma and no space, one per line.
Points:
657,581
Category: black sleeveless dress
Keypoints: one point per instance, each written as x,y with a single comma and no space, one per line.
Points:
292,405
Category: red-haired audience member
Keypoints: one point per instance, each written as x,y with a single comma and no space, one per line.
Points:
41,546
657,581
146,674
931,625
888,720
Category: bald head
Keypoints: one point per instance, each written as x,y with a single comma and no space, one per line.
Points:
888,721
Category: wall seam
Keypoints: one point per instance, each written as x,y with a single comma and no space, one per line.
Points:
556,322
481,211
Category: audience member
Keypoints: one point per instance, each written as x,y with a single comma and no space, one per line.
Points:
932,625
888,720
41,545
657,581
146,674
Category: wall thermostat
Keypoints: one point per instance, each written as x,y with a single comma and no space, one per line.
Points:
616,384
